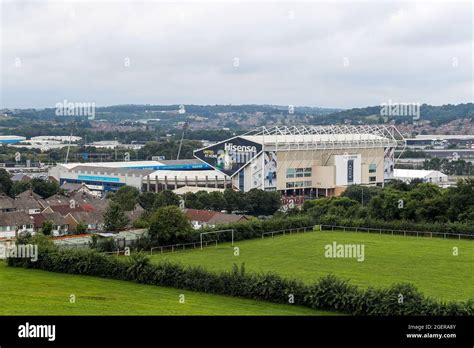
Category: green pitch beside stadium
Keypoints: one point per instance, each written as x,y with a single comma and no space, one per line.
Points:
35,292
428,263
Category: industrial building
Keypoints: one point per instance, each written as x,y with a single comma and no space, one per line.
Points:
10,139
152,176
431,176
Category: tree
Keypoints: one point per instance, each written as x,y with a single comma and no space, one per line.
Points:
115,218
169,225
191,201
44,188
217,201
81,229
263,202
234,200
203,198
47,228
361,194
20,186
126,197
5,183
146,200
165,198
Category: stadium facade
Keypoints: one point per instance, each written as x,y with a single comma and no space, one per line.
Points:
308,160
305,161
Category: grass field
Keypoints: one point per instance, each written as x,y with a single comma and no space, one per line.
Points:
428,263
35,292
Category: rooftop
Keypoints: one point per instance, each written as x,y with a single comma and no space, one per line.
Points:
335,136
415,173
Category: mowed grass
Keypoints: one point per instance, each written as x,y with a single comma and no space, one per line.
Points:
428,263
35,292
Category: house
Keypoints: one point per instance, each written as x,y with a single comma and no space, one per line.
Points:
200,218
82,197
65,209
94,221
29,202
6,204
15,222
20,177
56,199
59,225
71,187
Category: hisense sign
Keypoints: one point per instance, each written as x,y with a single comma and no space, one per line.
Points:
229,156
240,148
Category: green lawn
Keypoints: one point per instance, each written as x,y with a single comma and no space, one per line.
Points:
428,263
35,292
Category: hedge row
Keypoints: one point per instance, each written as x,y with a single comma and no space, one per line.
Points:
398,225
328,293
254,228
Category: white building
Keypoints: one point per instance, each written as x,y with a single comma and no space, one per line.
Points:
432,176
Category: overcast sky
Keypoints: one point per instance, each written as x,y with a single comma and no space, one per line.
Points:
331,55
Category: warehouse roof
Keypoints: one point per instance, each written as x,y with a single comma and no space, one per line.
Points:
415,173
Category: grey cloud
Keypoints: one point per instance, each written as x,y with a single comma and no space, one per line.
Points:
184,53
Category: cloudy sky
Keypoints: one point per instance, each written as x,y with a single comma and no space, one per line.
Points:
309,53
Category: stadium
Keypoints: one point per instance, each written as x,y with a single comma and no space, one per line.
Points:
310,161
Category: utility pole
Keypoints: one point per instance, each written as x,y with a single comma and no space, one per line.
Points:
69,144
185,125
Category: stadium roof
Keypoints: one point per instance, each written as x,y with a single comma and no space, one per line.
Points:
326,137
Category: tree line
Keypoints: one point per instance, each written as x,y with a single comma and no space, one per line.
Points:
398,201
42,187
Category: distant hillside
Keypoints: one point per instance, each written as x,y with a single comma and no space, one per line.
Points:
437,115
122,112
